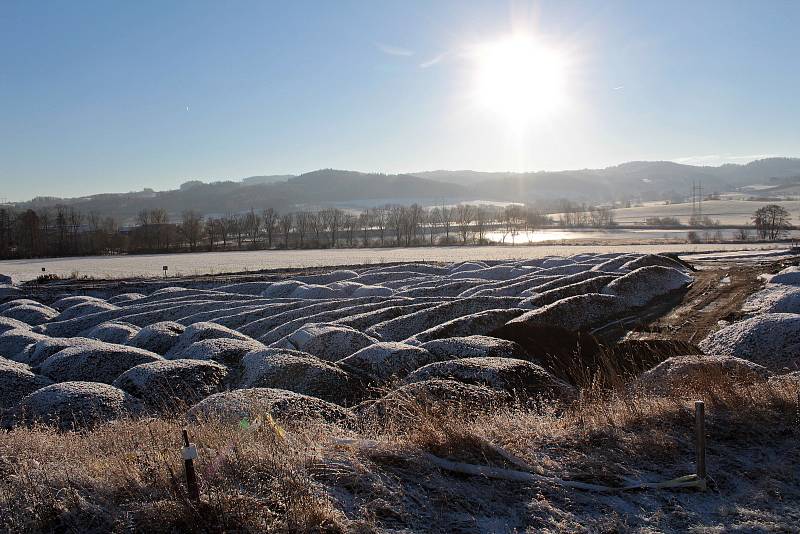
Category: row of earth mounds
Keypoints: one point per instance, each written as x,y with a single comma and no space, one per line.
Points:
341,345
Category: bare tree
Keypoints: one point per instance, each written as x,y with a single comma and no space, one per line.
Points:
317,224
333,219
771,221
429,220
29,233
285,224
481,222
445,215
239,229
379,216
159,219
394,220
270,218
302,226
252,226
226,225
191,228
413,216
212,231
464,217
351,226
742,234
365,221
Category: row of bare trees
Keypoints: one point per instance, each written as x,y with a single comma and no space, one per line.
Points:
60,231
579,215
64,231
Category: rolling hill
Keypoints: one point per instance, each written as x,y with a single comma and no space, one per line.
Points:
639,180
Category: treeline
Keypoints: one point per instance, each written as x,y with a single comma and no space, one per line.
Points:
66,231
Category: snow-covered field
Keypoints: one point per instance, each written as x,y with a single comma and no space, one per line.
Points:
728,212
226,262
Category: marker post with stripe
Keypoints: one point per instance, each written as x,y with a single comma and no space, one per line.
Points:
189,454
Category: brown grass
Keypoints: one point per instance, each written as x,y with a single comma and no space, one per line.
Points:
128,475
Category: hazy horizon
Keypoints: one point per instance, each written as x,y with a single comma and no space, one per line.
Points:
98,97
210,180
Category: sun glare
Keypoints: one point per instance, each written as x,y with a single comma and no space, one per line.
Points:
520,79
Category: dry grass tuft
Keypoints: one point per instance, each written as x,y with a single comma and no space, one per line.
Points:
129,474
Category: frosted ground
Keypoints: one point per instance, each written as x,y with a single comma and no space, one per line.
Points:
227,262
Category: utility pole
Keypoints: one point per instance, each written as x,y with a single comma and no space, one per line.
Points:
700,200
697,201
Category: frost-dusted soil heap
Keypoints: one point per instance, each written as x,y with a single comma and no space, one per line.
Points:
338,341
769,335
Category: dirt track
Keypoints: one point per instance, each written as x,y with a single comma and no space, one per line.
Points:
717,295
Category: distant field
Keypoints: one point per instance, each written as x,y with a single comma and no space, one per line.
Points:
226,262
729,212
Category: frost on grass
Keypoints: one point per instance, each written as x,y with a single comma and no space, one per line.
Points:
694,374
75,405
771,340
432,396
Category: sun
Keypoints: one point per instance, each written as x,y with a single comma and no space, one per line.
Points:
520,79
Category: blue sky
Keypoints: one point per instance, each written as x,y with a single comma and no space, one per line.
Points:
118,96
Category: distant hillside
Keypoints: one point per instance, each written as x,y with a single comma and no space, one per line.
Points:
255,180
645,180
316,188
642,179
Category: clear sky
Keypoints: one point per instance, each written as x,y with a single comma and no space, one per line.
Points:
118,96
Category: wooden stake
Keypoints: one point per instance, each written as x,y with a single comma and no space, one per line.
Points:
700,438
189,453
